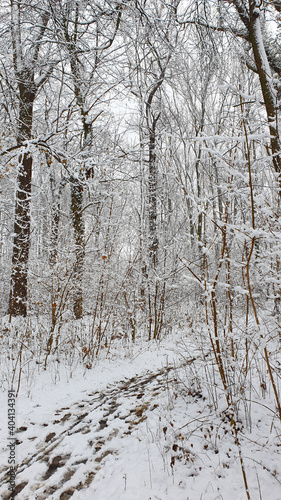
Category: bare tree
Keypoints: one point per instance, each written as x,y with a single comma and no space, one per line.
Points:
266,65
85,32
265,59
152,46
28,21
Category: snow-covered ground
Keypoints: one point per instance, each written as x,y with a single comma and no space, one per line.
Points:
138,425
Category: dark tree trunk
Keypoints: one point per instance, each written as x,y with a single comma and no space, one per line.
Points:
152,198
78,226
55,220
25,53
21,242
56,192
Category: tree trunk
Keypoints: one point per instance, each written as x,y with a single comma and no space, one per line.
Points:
268,90
21,242
78,226
55,216
79,229
55,220
152,198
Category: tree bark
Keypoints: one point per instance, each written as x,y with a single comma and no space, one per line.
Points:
152,197
265,77
25,59
21,242
265,65
78,226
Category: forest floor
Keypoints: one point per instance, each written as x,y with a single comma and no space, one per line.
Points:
138,425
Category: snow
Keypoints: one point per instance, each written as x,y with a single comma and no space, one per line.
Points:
264,59
139,426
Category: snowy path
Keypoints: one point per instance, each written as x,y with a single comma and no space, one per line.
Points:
69,451
136,428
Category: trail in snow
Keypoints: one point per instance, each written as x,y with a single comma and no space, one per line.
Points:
141,427
69,451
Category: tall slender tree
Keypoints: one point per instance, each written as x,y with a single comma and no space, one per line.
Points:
86,32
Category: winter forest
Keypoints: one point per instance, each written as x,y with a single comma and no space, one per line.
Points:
140,236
